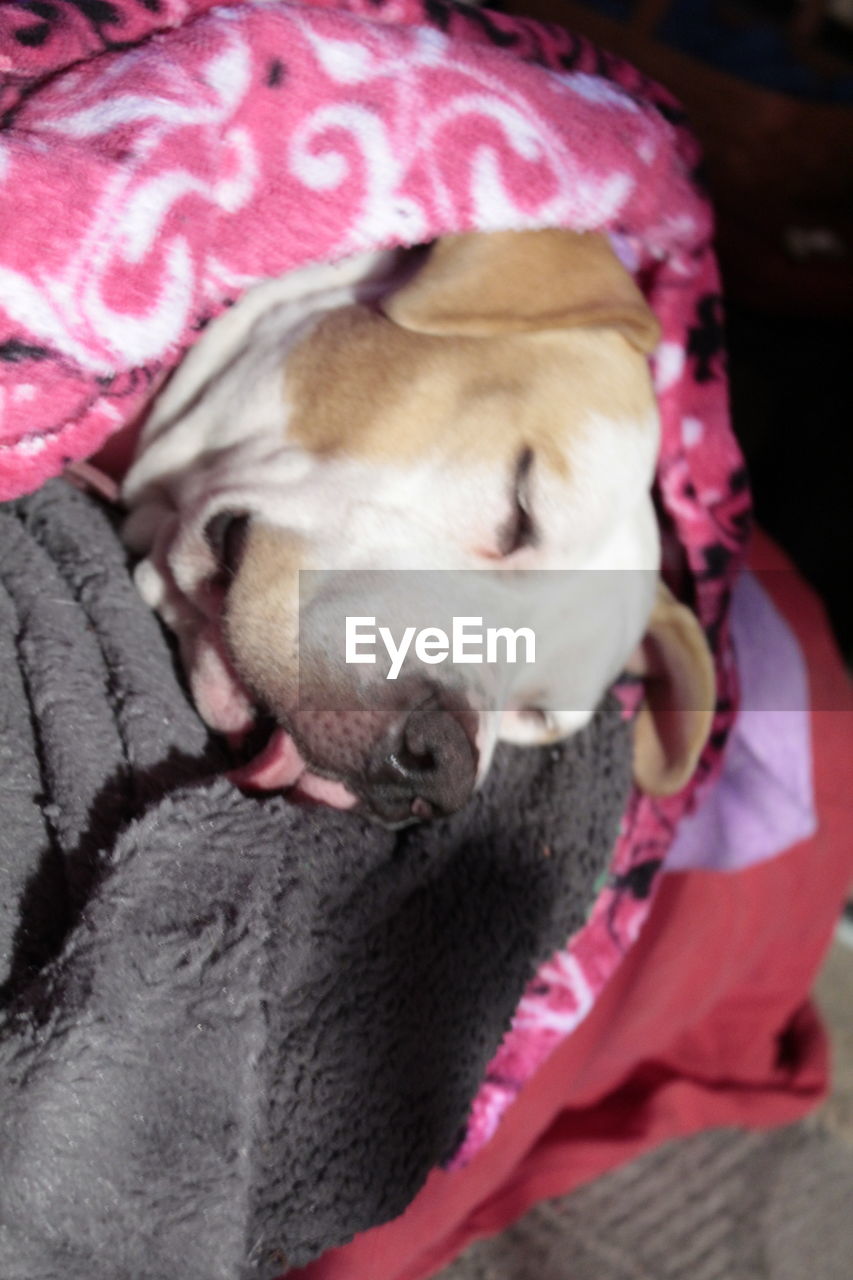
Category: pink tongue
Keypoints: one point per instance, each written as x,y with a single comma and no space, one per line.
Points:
325,791
280,766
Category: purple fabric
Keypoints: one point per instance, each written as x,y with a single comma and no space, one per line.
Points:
764,800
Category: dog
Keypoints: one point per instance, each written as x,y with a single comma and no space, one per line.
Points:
480,409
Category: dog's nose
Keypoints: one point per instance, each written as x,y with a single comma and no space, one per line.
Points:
428,770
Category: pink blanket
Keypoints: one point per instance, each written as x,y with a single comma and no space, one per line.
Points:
158,157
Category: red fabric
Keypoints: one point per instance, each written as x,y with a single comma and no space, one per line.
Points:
706,1023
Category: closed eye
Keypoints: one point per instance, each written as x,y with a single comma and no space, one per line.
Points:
226,536
520,530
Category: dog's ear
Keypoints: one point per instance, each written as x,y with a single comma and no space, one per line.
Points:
523,281
674,720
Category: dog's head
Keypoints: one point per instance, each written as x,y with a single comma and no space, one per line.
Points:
493,412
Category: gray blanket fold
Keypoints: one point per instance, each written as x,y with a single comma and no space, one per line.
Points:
234,1032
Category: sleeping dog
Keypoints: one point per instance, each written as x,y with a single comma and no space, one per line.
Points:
480,404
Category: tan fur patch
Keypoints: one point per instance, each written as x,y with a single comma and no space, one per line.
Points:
261,616
517,281
364,387
675,719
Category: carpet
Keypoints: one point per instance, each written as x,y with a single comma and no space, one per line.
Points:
725,1205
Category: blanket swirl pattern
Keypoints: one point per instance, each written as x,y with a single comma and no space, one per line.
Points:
158,157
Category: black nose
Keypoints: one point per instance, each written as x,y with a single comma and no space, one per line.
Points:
427,770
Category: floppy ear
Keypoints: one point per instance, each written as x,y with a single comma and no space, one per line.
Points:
674,721
502,282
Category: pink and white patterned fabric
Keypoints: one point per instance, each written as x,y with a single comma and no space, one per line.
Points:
158,157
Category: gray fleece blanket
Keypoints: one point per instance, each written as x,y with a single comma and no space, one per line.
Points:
234,1032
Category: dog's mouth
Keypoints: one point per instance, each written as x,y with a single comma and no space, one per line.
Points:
396,764
273,761
279,766
422,768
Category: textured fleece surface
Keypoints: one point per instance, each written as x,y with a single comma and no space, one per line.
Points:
235,1032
